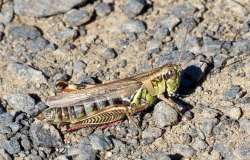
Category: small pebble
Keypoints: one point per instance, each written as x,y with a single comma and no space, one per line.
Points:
245,124
79,66
109,53
103,9
170,22
164,115
232,92
233,112
134,7
12,146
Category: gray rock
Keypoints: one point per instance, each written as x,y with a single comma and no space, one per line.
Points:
100,142
158,156
7,126
103,9
153,46
224,150
77,17
243,150
245,125
211,46
23,32
26,73
208,125
26,144
122,64
199,145
2,27
161,32
7,12
170,22
241,47
150,134
133,26
219,60
34,157
21,102
183,10
79,66
12,146
44,8
86,151
109,53
4,155
164,115
184,150
66,35
188,23
37,44
134,7
232,92
44,135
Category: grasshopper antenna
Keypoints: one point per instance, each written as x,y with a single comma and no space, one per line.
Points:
183,45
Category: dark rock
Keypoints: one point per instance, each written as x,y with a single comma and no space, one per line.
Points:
24,32
183,10
44,8
44,135
77,17
169,22
134,7
103,9
4,155
26,73
7,12
100,142
109,53
150,134
164,115
21,102
232,93
133,26
86,151
12,146
184,150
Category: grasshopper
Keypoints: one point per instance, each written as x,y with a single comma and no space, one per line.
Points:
112,101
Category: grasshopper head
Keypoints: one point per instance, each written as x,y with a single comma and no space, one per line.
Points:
172,78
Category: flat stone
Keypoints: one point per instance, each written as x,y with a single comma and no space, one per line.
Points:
77,17
133,26
44,135
44,8
26,73
134,7
7,12
23,32
100,142
103,9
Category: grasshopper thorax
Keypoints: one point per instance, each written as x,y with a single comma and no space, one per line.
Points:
172,79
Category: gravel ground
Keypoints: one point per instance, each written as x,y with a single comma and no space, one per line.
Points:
86,41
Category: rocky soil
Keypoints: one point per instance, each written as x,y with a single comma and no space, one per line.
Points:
84,41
